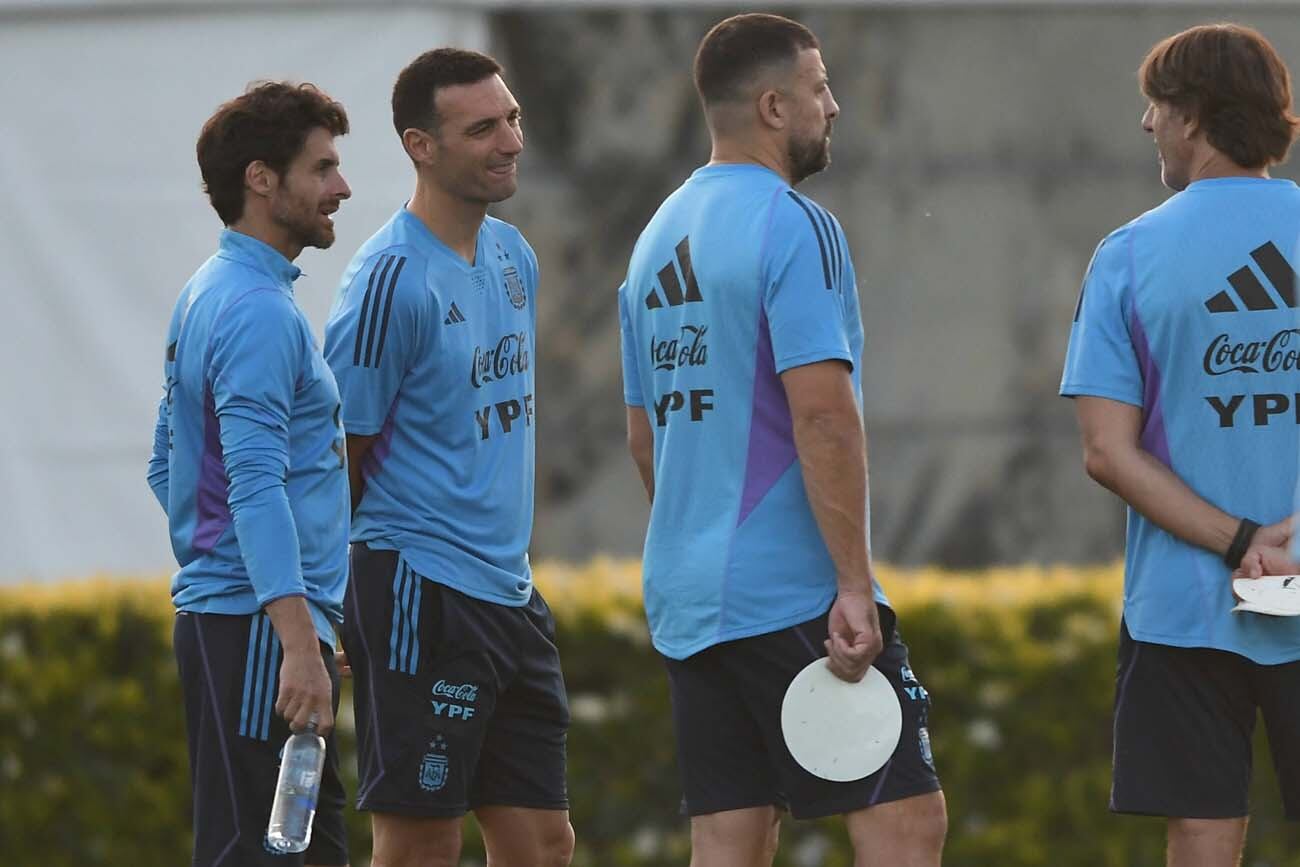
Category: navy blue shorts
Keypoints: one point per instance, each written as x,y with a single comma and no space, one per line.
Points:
459,703
1184,727
727,718
230,675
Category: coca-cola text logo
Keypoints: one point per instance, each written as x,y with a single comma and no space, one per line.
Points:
507,358
457,691
686,349
1279,353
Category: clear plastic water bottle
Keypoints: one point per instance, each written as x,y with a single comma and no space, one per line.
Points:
295,793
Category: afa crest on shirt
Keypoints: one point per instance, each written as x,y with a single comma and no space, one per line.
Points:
514,287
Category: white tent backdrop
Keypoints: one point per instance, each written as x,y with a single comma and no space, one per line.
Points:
104,220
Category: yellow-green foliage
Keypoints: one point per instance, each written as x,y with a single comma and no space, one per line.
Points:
606,585
1019,662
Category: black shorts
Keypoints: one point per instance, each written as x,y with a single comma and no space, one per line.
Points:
460,703
230,676
727,718
1184,725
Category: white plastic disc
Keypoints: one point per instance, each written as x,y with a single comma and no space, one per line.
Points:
1278,595
840,731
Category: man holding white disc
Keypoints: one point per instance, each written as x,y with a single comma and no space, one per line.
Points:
740,320
1183,365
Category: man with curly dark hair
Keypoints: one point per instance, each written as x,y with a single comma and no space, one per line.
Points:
248,463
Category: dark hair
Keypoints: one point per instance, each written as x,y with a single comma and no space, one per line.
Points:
1232,81
269,122
417,85
735,49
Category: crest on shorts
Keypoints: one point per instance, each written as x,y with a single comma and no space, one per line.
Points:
434,766
514,287
923,735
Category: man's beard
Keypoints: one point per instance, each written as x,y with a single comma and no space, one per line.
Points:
302,222
810,156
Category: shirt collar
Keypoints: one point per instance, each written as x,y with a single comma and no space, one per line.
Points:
257,254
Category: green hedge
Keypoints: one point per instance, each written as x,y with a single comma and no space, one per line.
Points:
1019,663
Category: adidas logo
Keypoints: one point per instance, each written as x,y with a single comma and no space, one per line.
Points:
671,286
1250,291
454,315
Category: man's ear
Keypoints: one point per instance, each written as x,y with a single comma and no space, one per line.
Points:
772,110
420,146
260,178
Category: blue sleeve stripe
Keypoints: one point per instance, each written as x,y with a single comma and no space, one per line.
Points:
833,241
371,328
841,244
374,314
388,308
841,249
361,320
821,243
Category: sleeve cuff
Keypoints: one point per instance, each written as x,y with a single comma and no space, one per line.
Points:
1077,390
281,594
812,357
362,427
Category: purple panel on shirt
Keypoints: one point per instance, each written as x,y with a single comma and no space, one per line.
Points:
374,459
212,500
771,430
1154,439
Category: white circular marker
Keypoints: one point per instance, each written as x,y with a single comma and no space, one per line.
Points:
1278,595
840,731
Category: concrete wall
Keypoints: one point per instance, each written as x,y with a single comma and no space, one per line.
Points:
980,156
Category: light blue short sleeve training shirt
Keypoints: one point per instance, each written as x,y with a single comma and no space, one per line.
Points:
736,279
435,357
1189,313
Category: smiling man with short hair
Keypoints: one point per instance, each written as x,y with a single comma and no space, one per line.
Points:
460,701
